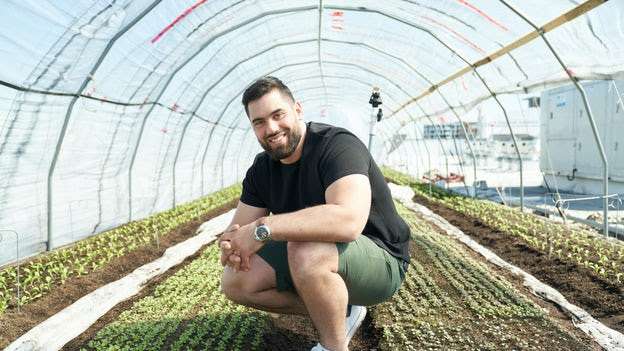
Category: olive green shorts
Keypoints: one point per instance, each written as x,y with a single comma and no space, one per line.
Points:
370,273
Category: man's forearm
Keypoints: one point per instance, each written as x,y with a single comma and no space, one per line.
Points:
326,223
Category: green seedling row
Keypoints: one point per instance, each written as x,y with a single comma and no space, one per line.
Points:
451,301
185,312
40,275
580,246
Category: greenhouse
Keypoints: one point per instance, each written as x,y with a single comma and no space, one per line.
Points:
151,190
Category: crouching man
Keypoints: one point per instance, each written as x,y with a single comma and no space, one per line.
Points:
334,242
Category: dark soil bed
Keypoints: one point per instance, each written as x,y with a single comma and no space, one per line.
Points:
14,323
602,299
296,333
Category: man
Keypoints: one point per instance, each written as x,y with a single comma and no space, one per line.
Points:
334,237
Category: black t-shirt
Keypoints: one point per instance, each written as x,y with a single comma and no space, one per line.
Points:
329,153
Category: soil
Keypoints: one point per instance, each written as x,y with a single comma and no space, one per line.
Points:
286,332
580,286
14,323
296,333
556,332
555,314
601,299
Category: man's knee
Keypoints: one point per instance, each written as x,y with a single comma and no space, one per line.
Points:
234,287
310,258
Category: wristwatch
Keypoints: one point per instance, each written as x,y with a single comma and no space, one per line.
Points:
262,233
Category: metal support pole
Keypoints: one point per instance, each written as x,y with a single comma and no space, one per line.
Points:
175,160
513,137
439,141
407,157
238,176
223,150
70,108
203,159
590,116
403,160
429,162
319,57
17,260
461,165
428,157
370,130
421,139
375,100
617,92
472,154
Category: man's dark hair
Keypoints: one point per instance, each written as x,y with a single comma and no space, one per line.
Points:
263,86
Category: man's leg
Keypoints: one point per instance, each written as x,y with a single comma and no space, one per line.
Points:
314,269
257,288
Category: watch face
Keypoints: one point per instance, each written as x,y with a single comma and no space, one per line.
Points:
262,233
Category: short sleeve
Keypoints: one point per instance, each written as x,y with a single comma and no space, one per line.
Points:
344,155
250,195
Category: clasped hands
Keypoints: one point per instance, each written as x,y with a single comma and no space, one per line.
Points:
237,244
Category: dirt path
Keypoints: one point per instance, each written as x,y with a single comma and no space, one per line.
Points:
296,333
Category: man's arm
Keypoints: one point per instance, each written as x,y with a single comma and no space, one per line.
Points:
246,214
341,219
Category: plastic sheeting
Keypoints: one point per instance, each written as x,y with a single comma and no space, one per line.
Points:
113,110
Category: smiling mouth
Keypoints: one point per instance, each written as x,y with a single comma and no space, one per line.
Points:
275,138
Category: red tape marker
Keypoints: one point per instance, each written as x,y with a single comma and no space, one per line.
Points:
472,7
457,35
178,19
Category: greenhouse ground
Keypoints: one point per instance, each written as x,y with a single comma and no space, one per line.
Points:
602,299
16,323
435,309
541,201
419,317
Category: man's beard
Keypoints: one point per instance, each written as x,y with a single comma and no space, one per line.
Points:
281,152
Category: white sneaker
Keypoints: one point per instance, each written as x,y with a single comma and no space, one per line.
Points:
354,320
319,347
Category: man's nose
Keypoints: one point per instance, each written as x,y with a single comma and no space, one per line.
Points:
271,126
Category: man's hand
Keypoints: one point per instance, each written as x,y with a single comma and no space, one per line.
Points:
229,256
239,241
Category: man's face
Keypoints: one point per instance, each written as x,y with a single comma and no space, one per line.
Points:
275,120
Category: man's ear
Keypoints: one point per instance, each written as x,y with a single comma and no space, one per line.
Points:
299,110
